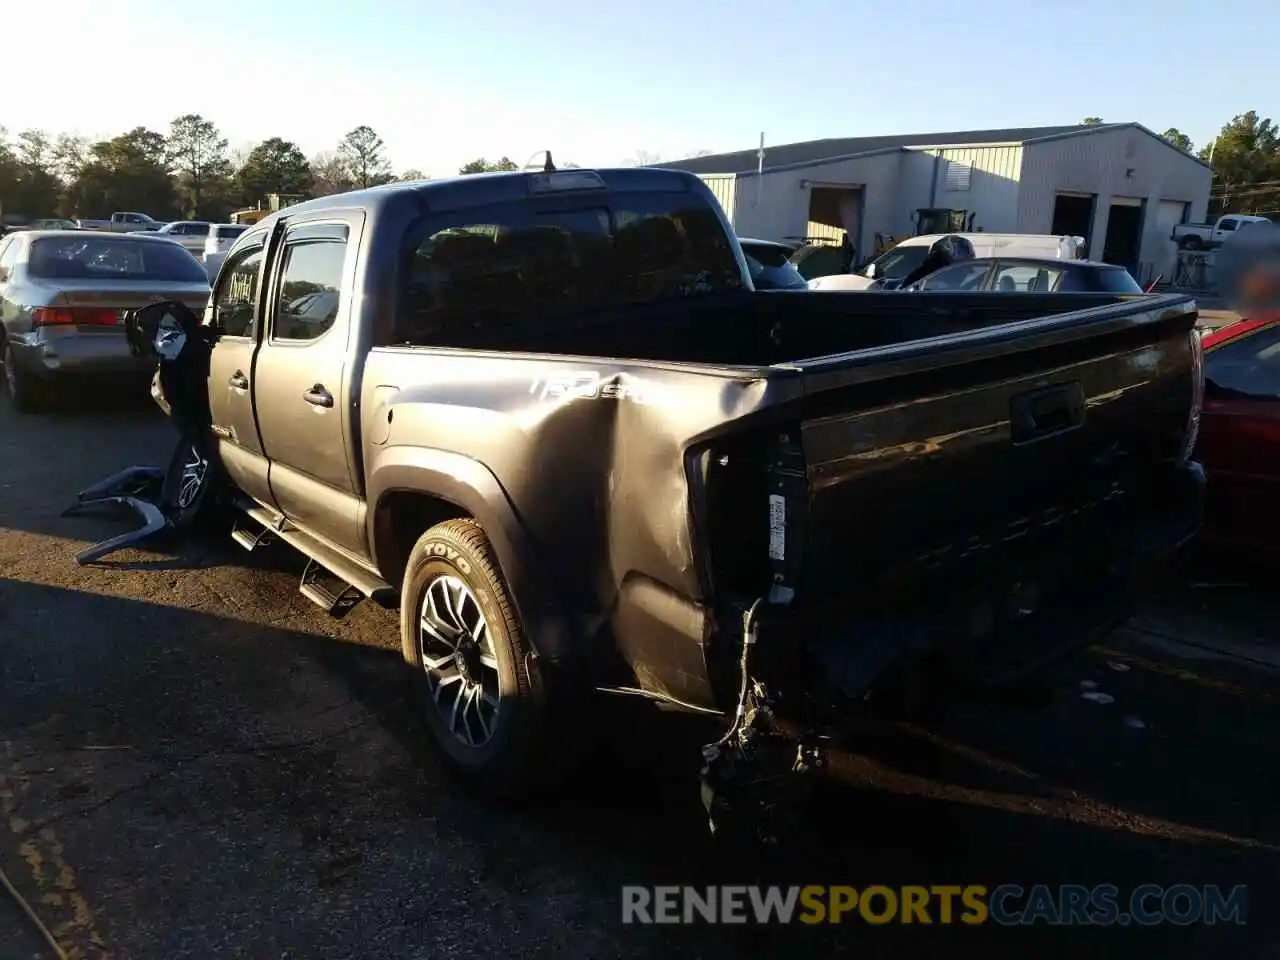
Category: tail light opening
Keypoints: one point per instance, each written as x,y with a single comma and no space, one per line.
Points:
1197,396
75,317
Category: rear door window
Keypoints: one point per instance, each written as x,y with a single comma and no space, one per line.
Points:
467,276
1026,278
310,289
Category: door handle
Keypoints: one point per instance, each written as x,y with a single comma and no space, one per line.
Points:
239,381
318,396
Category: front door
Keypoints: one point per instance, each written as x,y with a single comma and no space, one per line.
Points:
234,311
304,381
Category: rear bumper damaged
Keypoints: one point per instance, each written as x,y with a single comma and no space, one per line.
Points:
1022,613
807,675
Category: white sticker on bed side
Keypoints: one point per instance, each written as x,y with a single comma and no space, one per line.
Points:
777,526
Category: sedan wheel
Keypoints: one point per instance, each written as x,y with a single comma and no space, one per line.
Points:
25,394
10,379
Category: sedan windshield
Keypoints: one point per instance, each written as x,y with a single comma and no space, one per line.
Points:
113,258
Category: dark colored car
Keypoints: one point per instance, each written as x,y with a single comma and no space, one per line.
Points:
770,265
820,260
1239,440
1030,275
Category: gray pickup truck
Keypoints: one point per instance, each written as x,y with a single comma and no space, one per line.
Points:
547,417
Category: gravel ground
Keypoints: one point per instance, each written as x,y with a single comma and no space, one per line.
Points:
196,762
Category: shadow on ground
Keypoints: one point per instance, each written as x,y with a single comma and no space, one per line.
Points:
269,790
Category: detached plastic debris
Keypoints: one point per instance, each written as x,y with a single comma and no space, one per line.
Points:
1134,723
1088,685
162,497
1117,666
1098,697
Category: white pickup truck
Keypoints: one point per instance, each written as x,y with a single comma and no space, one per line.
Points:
125,222
1210,236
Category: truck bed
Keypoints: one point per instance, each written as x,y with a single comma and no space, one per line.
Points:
853,452
761,329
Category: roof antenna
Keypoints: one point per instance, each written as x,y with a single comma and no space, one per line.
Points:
547,165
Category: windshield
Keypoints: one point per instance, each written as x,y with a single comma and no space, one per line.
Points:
113,258
900,261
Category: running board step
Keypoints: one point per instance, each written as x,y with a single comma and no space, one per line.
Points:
251,539
324,559
335,602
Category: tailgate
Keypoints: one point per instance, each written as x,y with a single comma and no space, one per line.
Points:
964,452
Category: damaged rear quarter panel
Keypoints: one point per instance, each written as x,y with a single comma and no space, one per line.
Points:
590,455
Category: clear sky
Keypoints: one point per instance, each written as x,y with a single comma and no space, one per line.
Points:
595,82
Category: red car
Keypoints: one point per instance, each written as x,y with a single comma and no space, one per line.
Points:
1239,441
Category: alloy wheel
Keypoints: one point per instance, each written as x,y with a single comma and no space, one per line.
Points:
194,469
458,658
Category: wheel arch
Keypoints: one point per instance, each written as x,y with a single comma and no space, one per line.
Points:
411,489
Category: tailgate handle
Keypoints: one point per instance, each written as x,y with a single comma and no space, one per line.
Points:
1042,413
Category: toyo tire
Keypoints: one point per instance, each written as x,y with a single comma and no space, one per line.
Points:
472,674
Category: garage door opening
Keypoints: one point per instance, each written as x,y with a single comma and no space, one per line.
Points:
1073,215
1124,234
1164,256
833,212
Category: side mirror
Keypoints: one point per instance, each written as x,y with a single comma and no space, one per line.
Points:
4,274
871,270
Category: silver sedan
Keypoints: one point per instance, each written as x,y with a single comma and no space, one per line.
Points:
63,296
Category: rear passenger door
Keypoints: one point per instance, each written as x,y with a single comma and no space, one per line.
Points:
305,377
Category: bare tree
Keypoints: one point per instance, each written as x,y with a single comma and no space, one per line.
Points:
329,175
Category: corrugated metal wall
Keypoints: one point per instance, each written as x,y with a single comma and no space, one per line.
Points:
1126,162
982,180
724,187
777,207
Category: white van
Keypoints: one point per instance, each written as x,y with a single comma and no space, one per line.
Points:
893,265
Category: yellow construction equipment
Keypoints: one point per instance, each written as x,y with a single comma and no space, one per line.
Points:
275,201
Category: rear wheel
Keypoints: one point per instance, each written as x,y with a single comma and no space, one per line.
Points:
477,686
26,393
1191,242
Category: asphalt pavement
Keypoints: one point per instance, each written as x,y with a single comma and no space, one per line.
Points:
197,762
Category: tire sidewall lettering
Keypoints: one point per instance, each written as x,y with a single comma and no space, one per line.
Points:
449,554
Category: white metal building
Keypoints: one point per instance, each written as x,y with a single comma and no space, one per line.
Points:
1117,184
